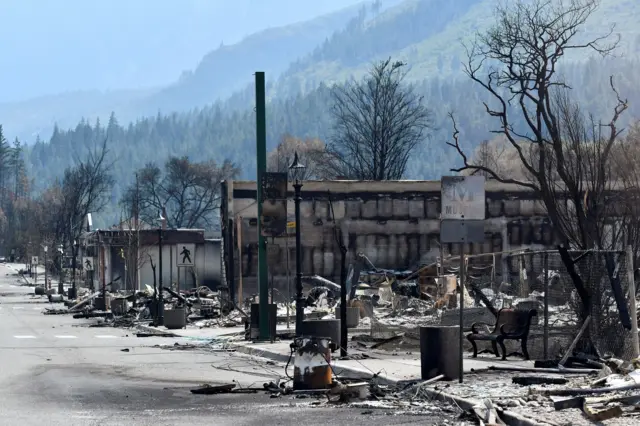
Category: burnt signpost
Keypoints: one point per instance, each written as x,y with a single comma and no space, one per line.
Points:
462,221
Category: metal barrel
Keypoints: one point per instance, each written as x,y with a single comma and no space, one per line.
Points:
312,364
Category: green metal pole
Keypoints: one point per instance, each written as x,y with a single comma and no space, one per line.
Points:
261,160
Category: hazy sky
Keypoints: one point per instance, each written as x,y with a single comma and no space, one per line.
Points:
53,46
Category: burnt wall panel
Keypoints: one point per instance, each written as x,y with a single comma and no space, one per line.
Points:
394,228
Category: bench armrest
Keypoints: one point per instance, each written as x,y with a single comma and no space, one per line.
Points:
475,325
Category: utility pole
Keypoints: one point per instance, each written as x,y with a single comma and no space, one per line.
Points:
137,219
46,269
160,290
60,278
261,161
297,171
74,252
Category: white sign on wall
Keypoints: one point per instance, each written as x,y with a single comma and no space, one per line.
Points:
463,198
185,254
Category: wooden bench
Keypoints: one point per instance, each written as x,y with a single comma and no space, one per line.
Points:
511,324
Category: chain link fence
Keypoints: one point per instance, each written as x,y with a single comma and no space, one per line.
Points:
540,280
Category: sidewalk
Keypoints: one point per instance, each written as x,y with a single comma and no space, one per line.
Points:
388,368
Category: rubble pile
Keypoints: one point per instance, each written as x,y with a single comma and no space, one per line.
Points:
204,307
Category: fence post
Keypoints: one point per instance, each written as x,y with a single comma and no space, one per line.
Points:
545,271
632,304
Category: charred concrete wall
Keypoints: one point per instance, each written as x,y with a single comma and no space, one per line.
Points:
395,224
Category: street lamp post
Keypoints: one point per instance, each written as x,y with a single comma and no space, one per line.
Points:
61,276
72,293
297,171
46,269
160,290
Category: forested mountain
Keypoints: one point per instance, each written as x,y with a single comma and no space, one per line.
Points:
219,132
299,103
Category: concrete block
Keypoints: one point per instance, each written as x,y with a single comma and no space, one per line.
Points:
412,244
307,261
369,209
370,248
328,262
429,226
433,209
400,208
306,210
539,208
339,210
494,208
511,208
402,251
353,209
321,209
392,255
527,208
318,261
328,238
515,235
385,208
416,209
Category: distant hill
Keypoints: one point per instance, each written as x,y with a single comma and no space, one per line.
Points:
429,35
221,71
79,45
230,68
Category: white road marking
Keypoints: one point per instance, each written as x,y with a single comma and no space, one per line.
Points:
25,337
106,336
66,336
12,286
37,309
18,307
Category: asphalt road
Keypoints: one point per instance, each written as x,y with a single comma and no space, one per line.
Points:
55,370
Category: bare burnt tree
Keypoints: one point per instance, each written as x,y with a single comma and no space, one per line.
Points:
378,122
311,152
489,154
564,153
189,191
84,189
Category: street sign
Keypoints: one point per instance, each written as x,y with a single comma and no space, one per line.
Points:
186,254
462,221
463,209
463,198
34,260
87,263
